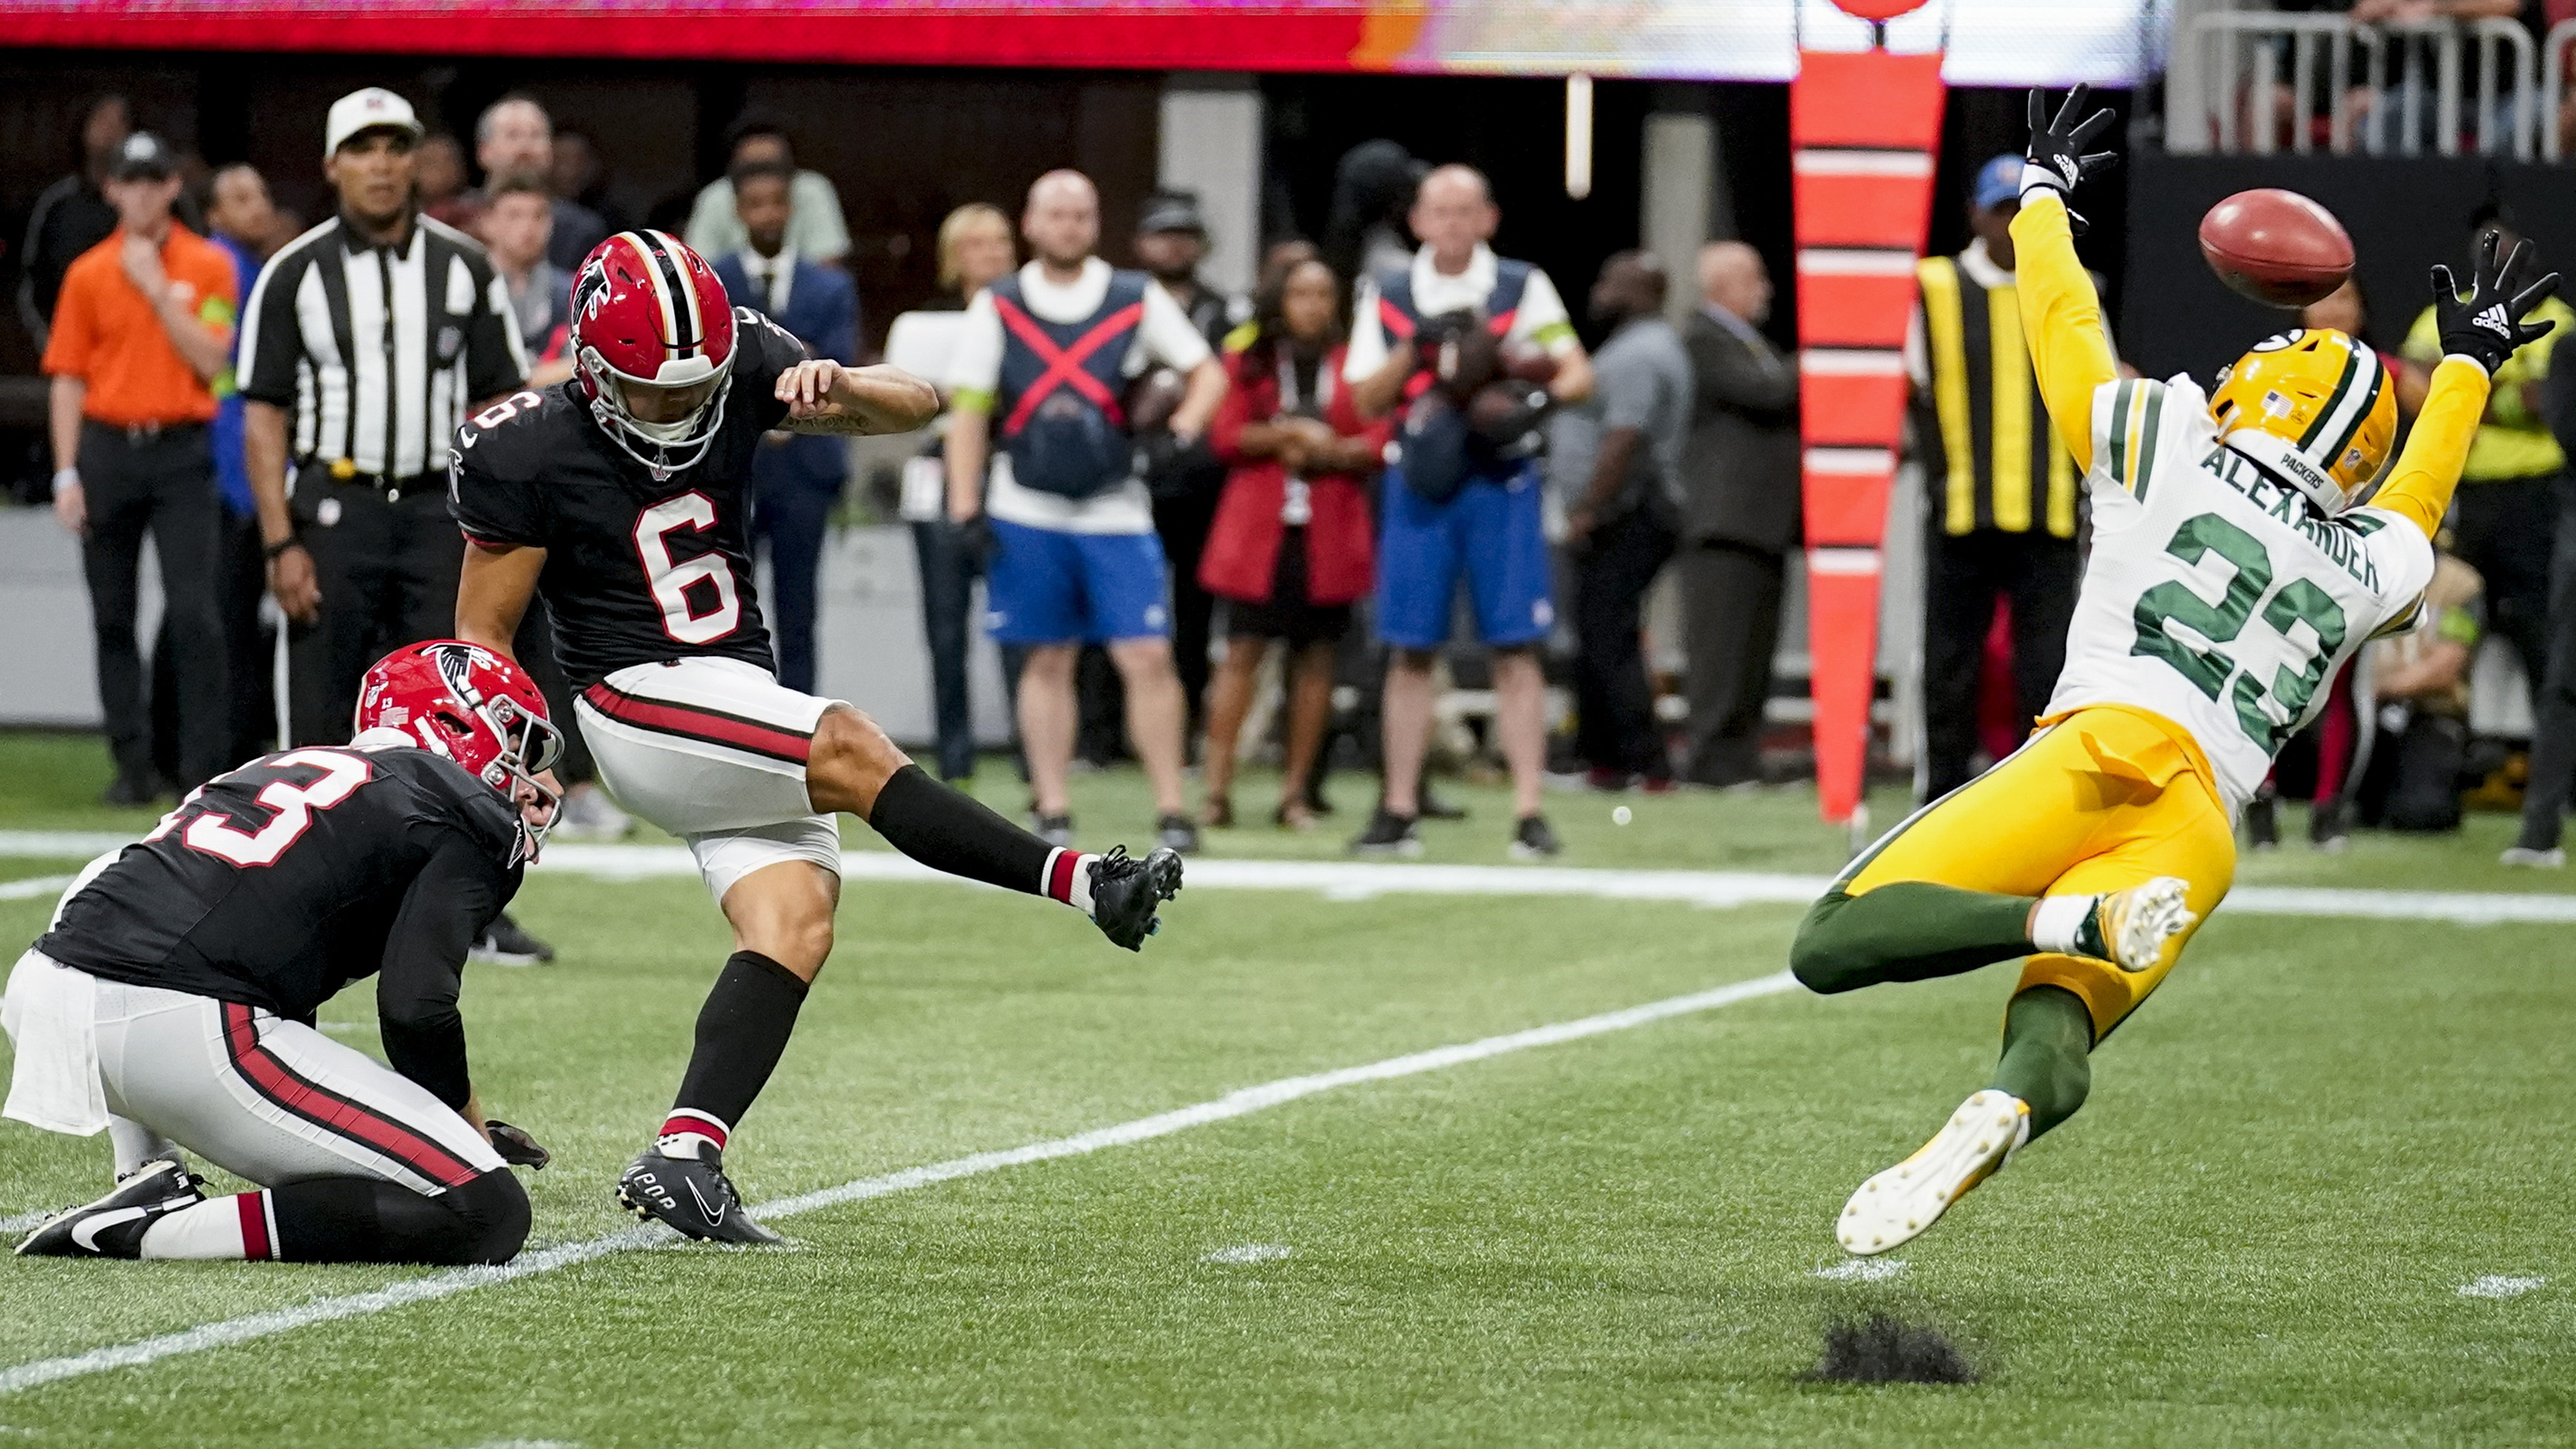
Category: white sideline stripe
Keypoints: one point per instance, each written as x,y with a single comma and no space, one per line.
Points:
1359,880
2496,1286
1233,1104
38,885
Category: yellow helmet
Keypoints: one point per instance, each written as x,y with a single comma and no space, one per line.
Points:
2313,406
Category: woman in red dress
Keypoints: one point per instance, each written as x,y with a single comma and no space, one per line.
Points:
1290,548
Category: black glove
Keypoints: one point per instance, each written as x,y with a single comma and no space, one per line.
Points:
2057,147
975,539
516,1147
2486,326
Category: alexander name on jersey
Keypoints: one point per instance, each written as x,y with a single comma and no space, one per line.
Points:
2339,539
639,569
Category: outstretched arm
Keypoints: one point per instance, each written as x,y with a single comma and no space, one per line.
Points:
2061,318
2479,333
822,396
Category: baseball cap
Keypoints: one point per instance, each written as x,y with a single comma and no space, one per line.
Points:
143,155
1171,211
1998,181
374,108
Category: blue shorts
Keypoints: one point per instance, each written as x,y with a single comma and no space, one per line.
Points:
1046,587
1493,532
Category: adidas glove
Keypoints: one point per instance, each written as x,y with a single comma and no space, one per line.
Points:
2056,160
2486,326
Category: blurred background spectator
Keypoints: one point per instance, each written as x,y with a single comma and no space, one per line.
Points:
1289,548
581,176
1171,242
143,330
515,137
72,215
515,224
242,220
796,480
2001,490
2420,691
2553,743
815,227
439,175
1619,532
1740,513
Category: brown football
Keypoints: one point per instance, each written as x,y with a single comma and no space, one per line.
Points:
2277,247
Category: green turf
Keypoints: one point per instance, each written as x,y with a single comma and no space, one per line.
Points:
2296,1154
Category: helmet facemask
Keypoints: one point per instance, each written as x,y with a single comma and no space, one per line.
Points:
675,445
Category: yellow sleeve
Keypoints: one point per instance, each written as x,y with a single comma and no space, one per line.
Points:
2061,320
2420,488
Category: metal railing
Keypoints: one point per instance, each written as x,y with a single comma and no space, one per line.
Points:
2553,85
2489,70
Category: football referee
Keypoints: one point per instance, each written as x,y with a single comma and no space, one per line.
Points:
365,345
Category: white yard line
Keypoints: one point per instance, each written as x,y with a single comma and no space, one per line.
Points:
23,1222
32,886
1360,880
1233,1104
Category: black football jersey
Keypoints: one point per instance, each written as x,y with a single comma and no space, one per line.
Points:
638,570
280,883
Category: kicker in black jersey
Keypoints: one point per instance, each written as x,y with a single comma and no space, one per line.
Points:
637,570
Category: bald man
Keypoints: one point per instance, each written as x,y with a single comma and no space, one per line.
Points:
1740,510
1049,351
1489,530
513,135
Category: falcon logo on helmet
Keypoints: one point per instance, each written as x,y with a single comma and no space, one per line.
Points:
2313,407
472,706
649,313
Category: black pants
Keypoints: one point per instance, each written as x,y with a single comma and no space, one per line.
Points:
2553,734
163,483
1963,575
241,581
387,567
947,602
1614,702
1183,524
1731,626
2505,529
792,517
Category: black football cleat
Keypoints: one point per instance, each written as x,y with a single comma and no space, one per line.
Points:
113,1226
691,1195
1125,893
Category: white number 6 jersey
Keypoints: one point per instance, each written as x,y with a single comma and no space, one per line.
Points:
2214,596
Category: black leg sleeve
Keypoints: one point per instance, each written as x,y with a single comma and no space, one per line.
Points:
742,1031
958,834
368,1220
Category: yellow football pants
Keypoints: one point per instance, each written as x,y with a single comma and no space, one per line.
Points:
2100,799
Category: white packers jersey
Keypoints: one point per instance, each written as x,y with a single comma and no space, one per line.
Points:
2214,596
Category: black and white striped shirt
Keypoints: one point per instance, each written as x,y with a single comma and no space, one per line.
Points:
381,386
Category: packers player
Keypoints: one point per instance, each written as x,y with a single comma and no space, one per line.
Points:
2231,573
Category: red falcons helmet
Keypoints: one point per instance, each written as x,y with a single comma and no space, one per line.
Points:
648,312
471,705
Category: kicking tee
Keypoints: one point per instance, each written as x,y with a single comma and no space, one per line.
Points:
2216,596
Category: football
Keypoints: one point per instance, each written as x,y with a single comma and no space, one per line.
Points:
2276,247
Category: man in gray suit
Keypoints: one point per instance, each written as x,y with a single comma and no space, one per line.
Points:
1740,512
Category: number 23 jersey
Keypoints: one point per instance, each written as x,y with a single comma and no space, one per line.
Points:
638,569
2215,596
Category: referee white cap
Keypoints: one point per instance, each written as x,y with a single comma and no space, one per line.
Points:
372,109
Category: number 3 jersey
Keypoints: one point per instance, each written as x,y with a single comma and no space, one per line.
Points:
638,569
2215,596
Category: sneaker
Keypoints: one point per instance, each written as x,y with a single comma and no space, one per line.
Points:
1895,1207
2554,858
2129,928
1389,834
130,792
504,943
113,1226
1607,781
1533,840
2262,822
2330,827
1177,833
1125,893
691,1195
588,814
1055,830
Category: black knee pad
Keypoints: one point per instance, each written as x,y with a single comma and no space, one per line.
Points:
494,1209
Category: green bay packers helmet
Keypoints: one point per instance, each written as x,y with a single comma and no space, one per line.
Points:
2314,407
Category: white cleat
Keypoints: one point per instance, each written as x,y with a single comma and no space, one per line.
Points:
1895,1207
2136,923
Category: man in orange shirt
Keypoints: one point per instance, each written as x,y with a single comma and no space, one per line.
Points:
141,344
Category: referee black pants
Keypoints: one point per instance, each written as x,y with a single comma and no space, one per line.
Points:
387,566
162,483
1963,575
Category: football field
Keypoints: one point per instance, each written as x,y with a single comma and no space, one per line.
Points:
1488,1157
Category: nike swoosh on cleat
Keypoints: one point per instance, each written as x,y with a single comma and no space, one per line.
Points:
715,1214
86,1231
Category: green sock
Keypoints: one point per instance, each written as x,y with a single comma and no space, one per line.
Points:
1907,931
2048,1054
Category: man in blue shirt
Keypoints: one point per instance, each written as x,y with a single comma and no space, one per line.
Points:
796,480
241,219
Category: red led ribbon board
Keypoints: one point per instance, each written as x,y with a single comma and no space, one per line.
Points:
1864,128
